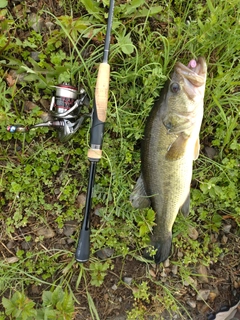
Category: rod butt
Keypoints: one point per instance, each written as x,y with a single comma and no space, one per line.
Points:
83,247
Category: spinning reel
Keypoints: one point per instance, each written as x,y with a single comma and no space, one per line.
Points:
65,112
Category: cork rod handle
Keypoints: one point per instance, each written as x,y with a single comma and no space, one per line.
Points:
101,91
99,112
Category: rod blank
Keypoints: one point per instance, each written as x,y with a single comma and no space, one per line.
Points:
96,139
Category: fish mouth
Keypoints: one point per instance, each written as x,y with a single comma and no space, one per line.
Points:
195,72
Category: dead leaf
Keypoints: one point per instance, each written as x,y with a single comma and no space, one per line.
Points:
10,80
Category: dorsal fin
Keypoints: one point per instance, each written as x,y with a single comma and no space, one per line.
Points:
138,197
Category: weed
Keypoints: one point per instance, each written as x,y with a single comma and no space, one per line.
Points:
98,272
142,292
41,179
55,305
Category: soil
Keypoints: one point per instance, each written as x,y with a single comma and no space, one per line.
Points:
114,298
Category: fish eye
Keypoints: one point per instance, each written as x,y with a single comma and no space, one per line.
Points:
174,87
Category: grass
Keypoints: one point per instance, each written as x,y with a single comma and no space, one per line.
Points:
41,178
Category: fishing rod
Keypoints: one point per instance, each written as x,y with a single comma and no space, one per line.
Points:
96,138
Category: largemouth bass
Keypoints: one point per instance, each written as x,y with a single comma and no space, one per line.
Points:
170,144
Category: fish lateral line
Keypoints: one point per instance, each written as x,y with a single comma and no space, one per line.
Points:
170,145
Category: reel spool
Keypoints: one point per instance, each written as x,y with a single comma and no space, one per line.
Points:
64,99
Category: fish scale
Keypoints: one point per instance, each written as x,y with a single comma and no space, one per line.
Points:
169,191
170,144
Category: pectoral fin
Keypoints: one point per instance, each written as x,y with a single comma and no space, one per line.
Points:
196,149
138,197
177,148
